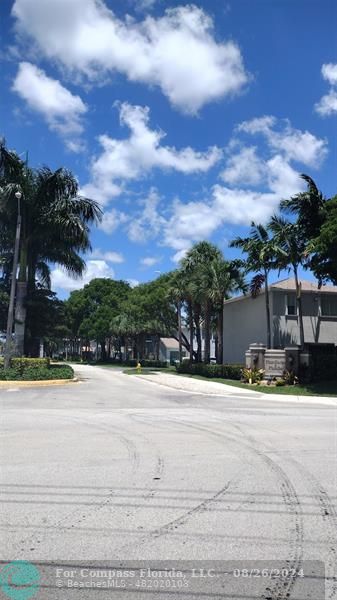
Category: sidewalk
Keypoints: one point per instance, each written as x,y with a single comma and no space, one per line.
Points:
213,388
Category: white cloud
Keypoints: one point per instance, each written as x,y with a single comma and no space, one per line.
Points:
111,220
149,261
112,257
133,282
329,72
95,269
177,51
194,221
59,107
144,4
244,168
328,103
148,222
133,157
282,179
301,146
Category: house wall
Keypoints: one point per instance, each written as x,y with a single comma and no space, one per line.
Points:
316,328
244,324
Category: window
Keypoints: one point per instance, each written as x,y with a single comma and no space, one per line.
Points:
291,305
328,305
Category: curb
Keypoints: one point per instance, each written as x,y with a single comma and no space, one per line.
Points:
37,383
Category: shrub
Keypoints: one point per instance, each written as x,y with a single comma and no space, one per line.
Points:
36,373
252,375
23,363
211,371
289,378
280,383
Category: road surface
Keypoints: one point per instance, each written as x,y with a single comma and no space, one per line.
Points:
116,468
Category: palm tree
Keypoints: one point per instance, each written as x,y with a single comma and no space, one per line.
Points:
179,291
225,278
309,208
290,251
195,265
260,259
55,225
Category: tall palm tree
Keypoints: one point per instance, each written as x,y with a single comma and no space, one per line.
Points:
225,278
260,259
308,206
311,209
195,265
290,251
179,291
55,225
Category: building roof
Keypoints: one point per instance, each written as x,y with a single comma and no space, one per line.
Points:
170,343
289,284
306,286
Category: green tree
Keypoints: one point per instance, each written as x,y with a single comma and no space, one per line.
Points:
223,278
55,226
91,312
291,253
196,265
148,311
260,260
323,247
317,220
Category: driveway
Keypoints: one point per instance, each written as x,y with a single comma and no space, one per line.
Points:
118,468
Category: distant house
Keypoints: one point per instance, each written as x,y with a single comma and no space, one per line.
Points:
245,318
169,350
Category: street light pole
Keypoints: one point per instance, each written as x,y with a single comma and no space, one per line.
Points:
10,316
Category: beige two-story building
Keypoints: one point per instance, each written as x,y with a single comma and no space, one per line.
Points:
245,320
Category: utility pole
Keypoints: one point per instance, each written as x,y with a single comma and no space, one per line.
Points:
10,317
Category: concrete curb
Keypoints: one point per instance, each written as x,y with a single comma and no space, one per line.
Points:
37,383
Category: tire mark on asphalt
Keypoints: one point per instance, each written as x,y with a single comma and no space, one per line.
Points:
324,503
182,520
36,539
282,589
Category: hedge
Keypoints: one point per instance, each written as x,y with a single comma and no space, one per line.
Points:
133,362
36,373
28,363
220,371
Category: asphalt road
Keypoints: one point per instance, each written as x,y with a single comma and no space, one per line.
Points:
117,469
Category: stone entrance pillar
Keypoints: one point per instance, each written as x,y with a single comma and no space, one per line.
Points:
255,356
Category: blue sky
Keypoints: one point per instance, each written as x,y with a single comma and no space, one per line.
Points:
186,121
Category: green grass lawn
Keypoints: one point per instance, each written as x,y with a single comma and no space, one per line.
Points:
147,370
323,388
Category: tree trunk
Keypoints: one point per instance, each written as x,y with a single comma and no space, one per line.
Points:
21,298
220,334
20,317
300,310
179,334
190,319
207,326
267,310
103,350
198,336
